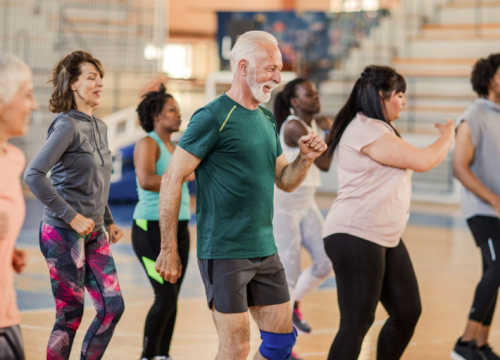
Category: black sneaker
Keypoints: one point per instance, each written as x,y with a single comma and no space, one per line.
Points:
487,353
298,321
465,351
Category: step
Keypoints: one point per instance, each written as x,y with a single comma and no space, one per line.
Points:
434,61
436,31
470,4
457,99
468,14
415,85
430,73
433,67
460,49
419,103
471,36
449,86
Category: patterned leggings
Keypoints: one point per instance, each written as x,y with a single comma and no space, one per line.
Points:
76,262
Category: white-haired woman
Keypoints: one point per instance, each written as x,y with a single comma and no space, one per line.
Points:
16,104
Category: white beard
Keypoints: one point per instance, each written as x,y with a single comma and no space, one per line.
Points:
258,89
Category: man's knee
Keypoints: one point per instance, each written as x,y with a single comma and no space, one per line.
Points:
237,350
277,346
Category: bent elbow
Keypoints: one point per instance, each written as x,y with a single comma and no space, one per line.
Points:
142,184
284,188
324,167
148,187
145,184
27,178
30,177
458,172
423,166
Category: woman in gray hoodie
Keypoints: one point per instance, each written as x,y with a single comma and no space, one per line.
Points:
72,237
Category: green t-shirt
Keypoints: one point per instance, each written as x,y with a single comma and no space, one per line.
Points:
238,148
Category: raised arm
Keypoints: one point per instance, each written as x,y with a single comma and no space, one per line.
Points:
294,130
181,166
289,176
324,161
393,151
462,158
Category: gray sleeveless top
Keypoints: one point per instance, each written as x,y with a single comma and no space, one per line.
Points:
483,118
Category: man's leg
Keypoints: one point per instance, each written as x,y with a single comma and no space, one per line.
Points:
234,335
276,322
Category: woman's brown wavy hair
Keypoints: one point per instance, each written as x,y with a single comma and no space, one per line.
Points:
65,73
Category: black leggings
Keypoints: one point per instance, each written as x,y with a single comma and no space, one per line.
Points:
160,321
366,273
486,232
11,343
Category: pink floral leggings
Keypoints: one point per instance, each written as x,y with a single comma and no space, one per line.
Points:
77,262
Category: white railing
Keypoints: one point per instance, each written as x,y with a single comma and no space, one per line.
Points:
123,130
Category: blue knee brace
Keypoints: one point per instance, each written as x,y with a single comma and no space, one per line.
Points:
277,346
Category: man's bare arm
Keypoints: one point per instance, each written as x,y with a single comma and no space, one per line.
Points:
181,166
289,176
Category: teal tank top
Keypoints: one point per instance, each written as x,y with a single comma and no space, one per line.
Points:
147,207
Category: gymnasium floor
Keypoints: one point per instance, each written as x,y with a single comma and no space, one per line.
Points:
445,258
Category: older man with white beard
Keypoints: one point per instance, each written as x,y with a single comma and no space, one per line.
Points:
233,146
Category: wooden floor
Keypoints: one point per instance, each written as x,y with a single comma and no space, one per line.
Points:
445,258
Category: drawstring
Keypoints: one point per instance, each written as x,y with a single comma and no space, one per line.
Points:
95,138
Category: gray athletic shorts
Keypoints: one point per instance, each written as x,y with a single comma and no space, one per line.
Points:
232,285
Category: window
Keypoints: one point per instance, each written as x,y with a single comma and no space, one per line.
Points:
358,5
177,61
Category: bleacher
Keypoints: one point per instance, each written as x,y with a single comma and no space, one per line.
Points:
434,44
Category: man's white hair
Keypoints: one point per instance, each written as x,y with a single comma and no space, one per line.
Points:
13,72
249,46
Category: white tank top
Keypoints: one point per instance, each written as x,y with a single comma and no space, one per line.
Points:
313,178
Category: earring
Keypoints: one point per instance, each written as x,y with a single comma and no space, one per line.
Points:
292,111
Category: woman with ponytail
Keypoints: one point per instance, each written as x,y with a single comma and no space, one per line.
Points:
159,116
297,220
363,228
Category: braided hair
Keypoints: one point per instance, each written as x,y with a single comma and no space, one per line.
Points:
283,101
151,106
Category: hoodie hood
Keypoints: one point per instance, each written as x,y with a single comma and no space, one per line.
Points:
78,115
75,114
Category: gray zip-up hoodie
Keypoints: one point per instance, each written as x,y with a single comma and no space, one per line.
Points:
77,155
